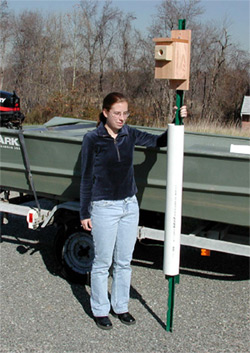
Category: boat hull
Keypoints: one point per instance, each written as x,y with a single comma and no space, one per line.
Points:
215,181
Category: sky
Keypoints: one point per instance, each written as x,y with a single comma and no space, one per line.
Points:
236,11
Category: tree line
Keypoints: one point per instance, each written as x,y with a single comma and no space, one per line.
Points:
64,64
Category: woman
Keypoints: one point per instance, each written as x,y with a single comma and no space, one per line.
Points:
108,205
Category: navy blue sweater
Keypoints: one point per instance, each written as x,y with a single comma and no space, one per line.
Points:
107,164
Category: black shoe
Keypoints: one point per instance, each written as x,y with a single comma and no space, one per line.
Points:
103,322
126,318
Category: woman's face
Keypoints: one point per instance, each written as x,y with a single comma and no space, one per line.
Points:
116,116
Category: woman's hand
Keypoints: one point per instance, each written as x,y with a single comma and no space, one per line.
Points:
183,111
86,224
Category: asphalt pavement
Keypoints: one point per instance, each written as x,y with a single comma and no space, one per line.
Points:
42,312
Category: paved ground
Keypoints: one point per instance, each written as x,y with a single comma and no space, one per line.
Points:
41,312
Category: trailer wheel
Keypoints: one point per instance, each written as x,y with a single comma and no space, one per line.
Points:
74,254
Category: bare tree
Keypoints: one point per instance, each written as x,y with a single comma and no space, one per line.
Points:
233,85
75,50
5,35
170,11
99,28
56,33
36,65
218,45
27,62
126,48
109,24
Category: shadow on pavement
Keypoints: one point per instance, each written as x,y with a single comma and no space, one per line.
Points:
218,266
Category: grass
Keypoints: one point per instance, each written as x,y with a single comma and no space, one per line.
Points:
215,128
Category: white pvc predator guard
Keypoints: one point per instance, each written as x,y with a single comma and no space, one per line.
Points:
175,157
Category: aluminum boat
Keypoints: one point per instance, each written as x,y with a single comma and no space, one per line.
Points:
215,181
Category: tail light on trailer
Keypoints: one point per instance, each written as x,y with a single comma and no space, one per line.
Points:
33,219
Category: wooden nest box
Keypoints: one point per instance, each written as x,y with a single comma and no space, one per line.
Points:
172,59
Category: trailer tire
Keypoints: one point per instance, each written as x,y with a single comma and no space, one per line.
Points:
74,254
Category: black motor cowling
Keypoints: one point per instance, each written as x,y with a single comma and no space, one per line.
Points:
10,115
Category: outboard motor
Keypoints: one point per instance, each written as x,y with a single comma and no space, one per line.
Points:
10,115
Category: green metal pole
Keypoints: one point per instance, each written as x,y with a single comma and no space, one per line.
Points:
172,280
179,103
179,93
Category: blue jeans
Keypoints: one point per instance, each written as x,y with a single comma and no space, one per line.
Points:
114,230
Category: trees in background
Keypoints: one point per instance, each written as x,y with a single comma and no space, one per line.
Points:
65,64
5,35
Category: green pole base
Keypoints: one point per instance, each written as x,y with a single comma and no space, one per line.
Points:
172,280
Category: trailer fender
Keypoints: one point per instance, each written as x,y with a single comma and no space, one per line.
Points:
73,206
